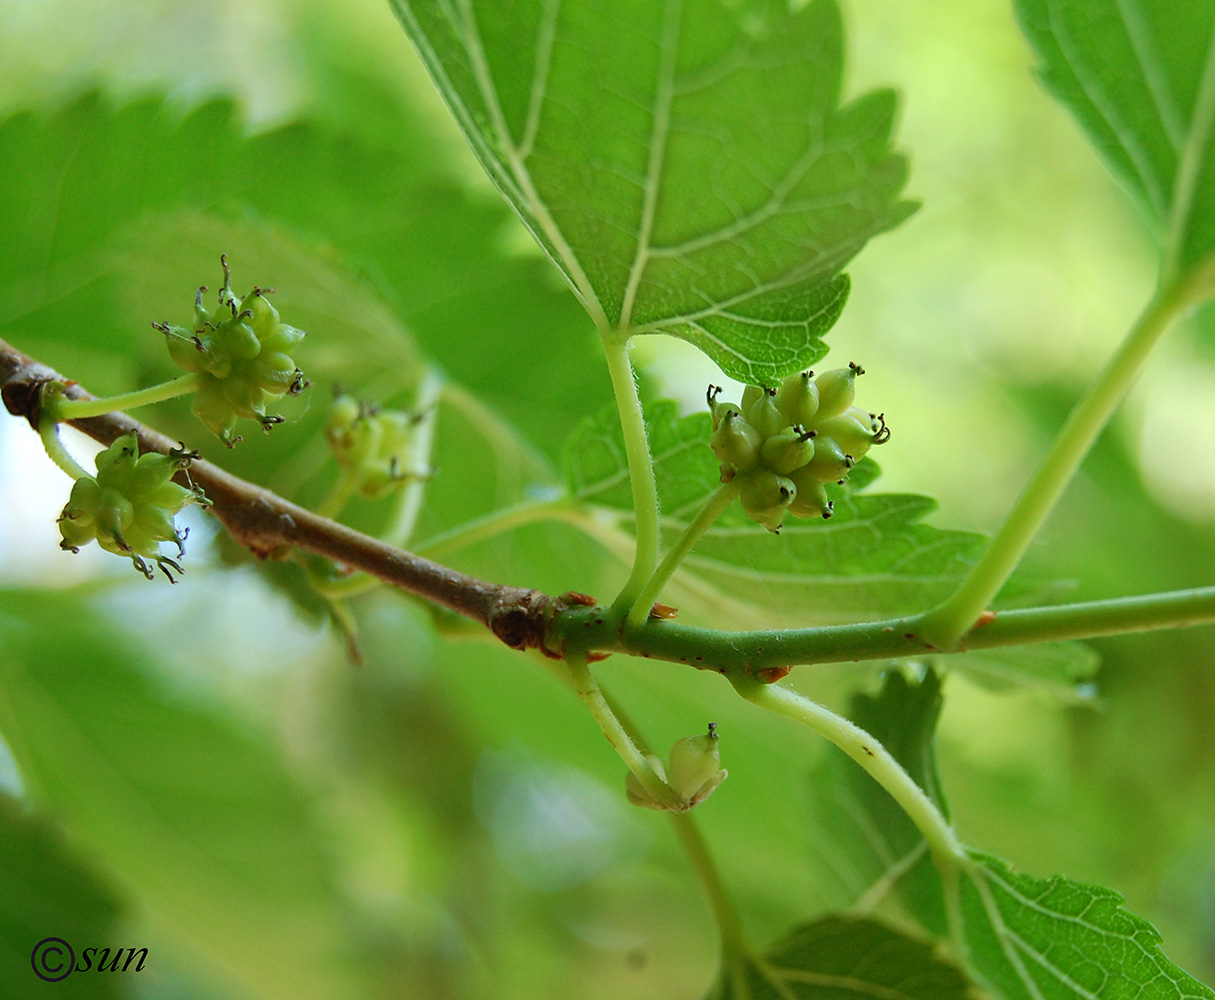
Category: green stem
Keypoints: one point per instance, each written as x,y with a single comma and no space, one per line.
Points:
617,735
870,754
748,653
721,498
733,940
641,473
49,432
61,409
945,624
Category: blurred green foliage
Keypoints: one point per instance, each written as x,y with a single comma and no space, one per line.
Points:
443,821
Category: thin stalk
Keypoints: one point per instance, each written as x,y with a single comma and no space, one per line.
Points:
641,474
49,432
870,754
340,494
617,734
481,528
409,500
721,498
945,624
733,940
61,409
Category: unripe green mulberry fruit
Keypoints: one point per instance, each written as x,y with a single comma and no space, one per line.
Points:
372,444
837,390
811,499
750,397
798,398
242,355
128,507
766,496
718,408
790,449
853,430
830,463
735,441
765,416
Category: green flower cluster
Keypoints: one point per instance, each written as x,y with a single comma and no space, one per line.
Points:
371,444
693,770
129,506
787,443
242,355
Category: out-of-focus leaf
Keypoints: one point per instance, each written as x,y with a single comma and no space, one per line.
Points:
863,835
98,199
842,958
198,816
47,891
1139,76
1064,670
687,165
872,557
1028,938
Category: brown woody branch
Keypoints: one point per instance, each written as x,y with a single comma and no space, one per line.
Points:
266,524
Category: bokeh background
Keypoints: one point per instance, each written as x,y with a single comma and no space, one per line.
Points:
206,774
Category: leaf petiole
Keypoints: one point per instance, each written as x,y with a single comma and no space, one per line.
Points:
641,473
871,755
948,622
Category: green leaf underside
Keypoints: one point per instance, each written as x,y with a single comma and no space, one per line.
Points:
687,165
1139,76
872,557
1040,939
198,818
865,838
842,958
1064,670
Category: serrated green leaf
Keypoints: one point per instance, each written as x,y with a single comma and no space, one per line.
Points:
1029,938
872,557
46,890
1139,76
864,836
197,816
842,958
1064,670
687,165
1021,938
